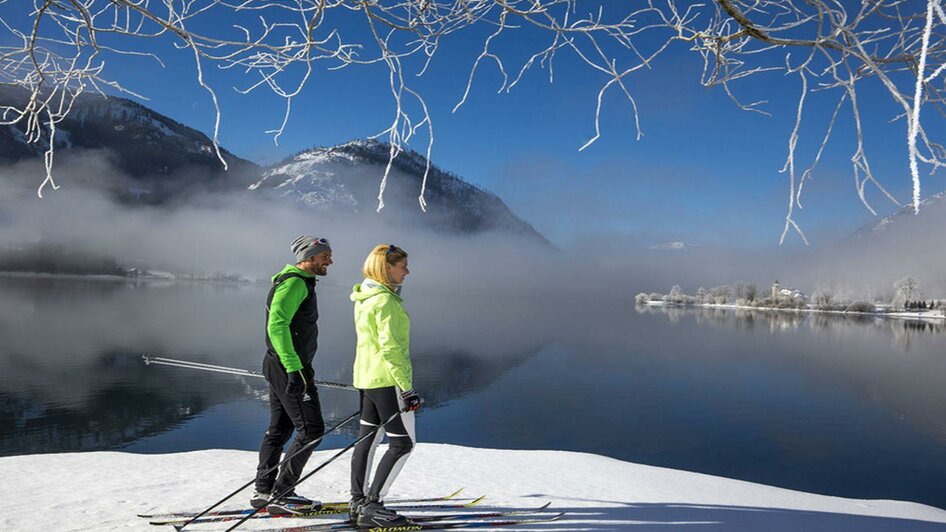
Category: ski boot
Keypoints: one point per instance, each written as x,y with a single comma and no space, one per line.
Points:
259,499
292,503
354,509
373,514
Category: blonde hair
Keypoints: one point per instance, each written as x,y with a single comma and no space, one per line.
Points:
376,265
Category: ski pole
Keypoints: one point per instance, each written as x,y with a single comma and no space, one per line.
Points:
370,434
187,364
270,470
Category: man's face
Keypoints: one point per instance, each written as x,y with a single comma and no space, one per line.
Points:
318,265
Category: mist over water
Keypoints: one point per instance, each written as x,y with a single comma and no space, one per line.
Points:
248,233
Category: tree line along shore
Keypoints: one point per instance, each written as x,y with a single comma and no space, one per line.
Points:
904,301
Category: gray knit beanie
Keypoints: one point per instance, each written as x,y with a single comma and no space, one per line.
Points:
307,246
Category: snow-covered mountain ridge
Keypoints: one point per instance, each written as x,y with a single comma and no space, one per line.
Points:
346,179
932,203
158,159
157,156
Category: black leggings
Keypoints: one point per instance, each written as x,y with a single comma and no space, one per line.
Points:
377,405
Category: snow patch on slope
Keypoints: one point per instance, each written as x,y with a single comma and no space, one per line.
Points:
312,178
886,222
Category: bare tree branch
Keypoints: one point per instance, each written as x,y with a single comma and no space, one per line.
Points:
60,50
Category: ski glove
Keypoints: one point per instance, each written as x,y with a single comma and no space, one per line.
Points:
296,385
412,401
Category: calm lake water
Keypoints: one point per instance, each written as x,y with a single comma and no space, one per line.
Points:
826,404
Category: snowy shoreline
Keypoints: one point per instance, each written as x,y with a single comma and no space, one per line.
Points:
926,315
105,491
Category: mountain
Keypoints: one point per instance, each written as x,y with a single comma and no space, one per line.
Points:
158,158
931,212
879,253
346,179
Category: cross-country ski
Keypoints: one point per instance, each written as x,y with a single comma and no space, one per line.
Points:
431,524
305,512
431,519
302,507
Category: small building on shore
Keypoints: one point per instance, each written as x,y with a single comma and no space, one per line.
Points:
781,293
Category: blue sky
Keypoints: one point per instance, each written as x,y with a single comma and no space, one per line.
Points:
704,172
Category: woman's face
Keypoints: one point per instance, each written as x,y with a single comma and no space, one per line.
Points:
398,271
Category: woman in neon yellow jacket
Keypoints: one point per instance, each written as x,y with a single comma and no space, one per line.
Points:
384,375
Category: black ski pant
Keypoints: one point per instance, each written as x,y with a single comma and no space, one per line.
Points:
302,413
377,405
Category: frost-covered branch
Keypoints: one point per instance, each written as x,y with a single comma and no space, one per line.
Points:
55,51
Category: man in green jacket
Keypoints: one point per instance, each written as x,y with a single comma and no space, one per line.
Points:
292,334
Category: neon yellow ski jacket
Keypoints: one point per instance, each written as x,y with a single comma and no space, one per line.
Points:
382,355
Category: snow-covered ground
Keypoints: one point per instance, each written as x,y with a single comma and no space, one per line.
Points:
105,491
937,314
